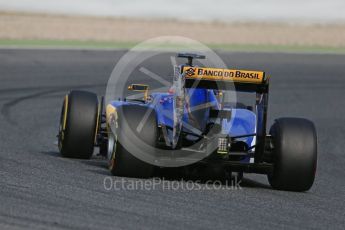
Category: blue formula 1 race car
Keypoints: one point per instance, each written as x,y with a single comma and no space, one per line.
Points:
195,125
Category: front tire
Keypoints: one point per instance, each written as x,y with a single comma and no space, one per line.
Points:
294,154
78,125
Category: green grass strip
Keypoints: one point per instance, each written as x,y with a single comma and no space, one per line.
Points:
76,44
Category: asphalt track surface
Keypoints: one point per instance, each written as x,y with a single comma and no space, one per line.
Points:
39,189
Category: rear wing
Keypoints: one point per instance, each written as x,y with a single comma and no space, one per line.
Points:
225,79
189,76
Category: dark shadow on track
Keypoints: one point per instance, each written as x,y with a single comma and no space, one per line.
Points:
248,183
51,153
170,174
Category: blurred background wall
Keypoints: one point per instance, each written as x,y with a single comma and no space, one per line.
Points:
314,23
289,11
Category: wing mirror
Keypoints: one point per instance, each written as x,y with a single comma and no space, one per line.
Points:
140,88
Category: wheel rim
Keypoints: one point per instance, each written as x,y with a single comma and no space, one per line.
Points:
63,123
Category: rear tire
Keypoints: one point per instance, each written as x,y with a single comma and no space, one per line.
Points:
122,162
294,154
78,125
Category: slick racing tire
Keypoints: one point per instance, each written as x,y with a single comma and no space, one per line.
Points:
294,154
78,125
123,162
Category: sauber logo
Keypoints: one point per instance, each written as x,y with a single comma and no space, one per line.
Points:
224,74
